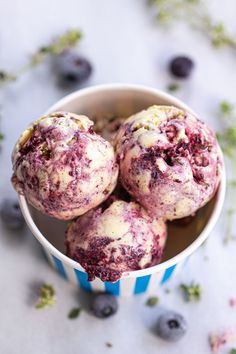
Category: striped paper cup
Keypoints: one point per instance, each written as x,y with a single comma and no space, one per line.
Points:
123,100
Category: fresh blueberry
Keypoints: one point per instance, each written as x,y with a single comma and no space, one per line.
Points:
104,305
71,68
181,66
171,326
10,214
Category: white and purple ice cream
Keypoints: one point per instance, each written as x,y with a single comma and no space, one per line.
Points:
116,237
62,167
170,161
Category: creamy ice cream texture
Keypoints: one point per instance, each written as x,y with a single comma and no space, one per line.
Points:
62,167
170,161
115,238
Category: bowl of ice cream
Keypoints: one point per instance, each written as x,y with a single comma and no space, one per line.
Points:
171,174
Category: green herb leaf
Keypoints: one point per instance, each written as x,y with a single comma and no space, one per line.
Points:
1,136
74,313
226,107
6,77
152,301
173,87
194,14
227,137
233,183
57,46
227,140
231,211
192,291
232,351
195,2
46,296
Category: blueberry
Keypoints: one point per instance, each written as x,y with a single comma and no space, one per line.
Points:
181,66
104,305
10,214
171,326
71,68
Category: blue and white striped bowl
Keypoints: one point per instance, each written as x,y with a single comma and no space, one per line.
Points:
123,287
122,100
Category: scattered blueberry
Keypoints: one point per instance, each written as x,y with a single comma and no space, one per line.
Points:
181,66
171,326
104,305
71,68
10,214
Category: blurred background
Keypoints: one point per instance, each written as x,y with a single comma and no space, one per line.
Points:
127,41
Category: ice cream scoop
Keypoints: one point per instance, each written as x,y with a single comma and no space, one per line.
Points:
170,161
116,237
107,125
62,167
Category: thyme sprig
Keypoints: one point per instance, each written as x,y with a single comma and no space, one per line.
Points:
74,313
152,301
67,40
191,291
196,15
173,87
227,140
46,296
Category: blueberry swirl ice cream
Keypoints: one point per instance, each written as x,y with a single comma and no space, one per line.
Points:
169,165
170,161
62,167
116,237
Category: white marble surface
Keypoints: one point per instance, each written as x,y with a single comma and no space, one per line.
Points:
124,46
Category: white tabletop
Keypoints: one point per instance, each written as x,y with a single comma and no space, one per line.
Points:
125,45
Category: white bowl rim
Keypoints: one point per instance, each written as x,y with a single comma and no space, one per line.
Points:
161,266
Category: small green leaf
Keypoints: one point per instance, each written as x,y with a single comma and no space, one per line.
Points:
6,77
1,136
74,313
195,15
227,137
233,183
191,292
232,351
195,2
226,107
46,296
231,211
164,16
57,46
173,87
152,301
220,37
67,40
